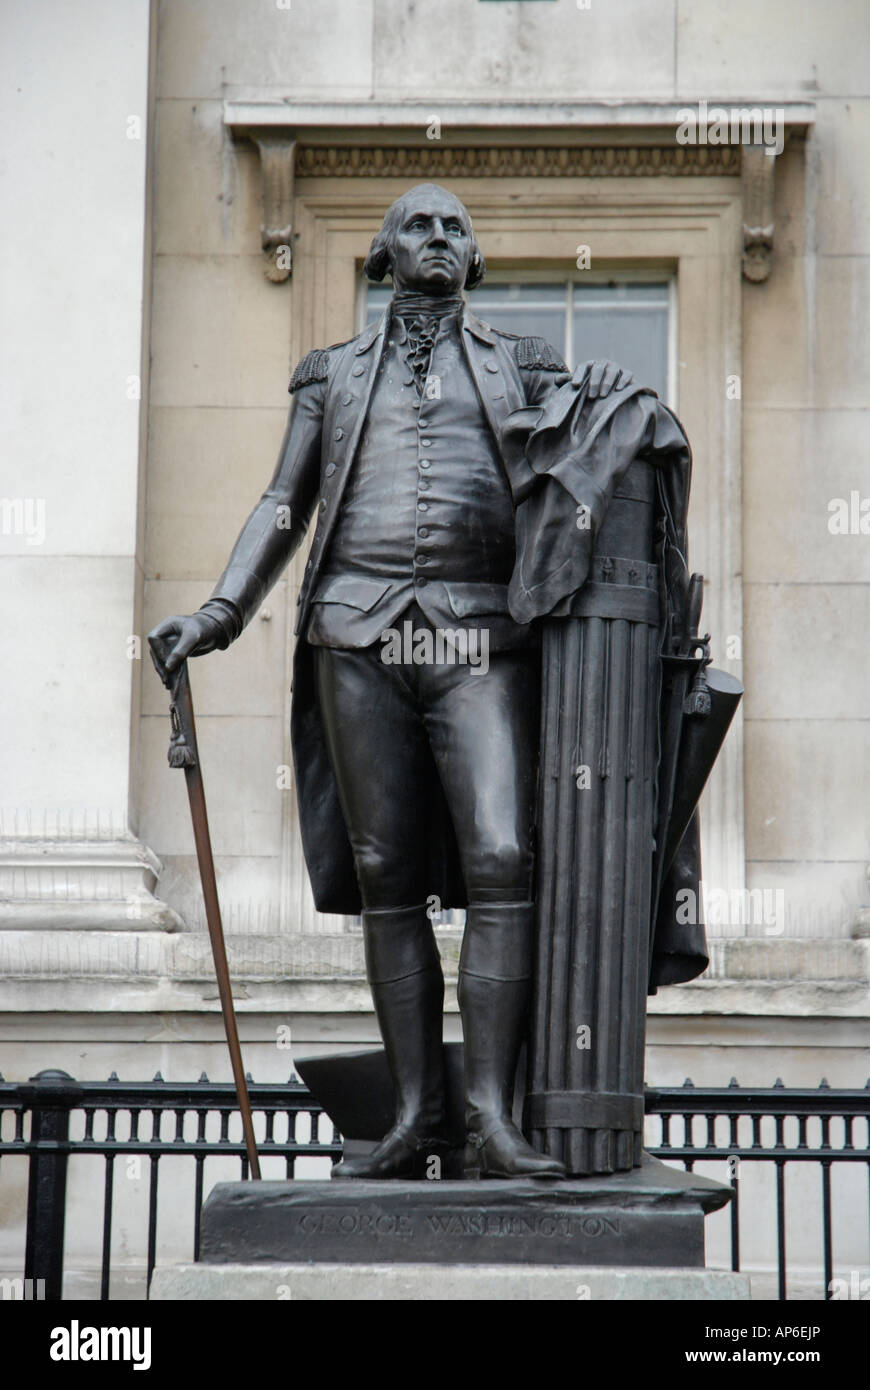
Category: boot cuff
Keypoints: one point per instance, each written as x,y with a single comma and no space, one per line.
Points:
398,942
497,944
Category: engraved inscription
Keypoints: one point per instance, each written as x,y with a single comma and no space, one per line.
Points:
597,1225
353,1222
480,1223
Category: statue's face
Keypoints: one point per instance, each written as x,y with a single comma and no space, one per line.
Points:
432,247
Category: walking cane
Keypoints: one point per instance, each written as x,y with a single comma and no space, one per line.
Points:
183,753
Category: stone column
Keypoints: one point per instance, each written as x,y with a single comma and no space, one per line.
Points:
75,351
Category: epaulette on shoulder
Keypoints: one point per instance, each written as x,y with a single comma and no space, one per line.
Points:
536,355
313,367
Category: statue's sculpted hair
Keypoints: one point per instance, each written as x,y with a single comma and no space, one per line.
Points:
379,258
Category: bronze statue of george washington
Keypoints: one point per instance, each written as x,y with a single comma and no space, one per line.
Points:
416,697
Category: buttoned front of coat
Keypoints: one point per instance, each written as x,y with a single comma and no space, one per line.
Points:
426,514
353,370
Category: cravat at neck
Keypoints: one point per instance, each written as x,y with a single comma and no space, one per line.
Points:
422,317
409,306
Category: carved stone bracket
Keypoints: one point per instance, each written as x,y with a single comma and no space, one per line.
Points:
757,176
278,171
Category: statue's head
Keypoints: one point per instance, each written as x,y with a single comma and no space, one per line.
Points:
427,244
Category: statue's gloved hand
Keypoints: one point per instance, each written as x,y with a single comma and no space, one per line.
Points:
602,378
178,638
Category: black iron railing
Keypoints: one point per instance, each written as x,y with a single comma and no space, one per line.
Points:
771,1126
141,1119
729,1125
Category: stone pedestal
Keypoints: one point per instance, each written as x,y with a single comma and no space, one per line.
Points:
650,1217
637,1236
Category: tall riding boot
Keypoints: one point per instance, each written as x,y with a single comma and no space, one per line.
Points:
494,994
404,971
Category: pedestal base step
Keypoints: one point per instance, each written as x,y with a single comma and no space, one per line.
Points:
440,1282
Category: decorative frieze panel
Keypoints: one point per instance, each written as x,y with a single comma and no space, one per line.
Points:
434,162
